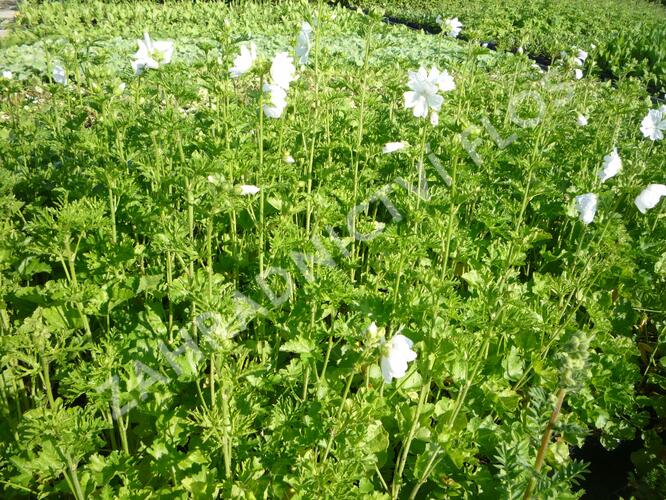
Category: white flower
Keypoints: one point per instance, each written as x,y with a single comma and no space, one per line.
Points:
424,86
121,87
581,120
582,56
452,27
303,43
391,147
578,73
7,74
283,71
611,166
586,204
654,124
277,100
520,50
248,189
216,179
59,75
282,74
151,54
649,197
396,354
288,159
444,81
244,61
434,118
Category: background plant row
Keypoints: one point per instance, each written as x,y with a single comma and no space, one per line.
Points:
629,36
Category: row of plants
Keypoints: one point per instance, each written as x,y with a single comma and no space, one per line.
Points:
625,38
275,253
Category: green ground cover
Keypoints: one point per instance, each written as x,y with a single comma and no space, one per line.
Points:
199,300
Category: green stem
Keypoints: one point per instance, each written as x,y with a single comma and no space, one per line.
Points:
426,473
122,428
227,447
75,480
397,476
47,380
112,210
259,177
452,212
359,139
337,417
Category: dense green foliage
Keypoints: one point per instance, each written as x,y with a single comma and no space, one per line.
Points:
629,35
125,239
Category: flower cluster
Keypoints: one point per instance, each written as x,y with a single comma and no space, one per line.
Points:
577,61
586,204
283,72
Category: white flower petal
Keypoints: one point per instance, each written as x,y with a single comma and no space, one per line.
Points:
586,204
423,95
398,354
653,124
452,27
164,51
391,147
283,71
248,189
386,370
611,166
244,61
445,82
303,43
59,75
649,197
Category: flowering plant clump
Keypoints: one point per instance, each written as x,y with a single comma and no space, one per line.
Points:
310,262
